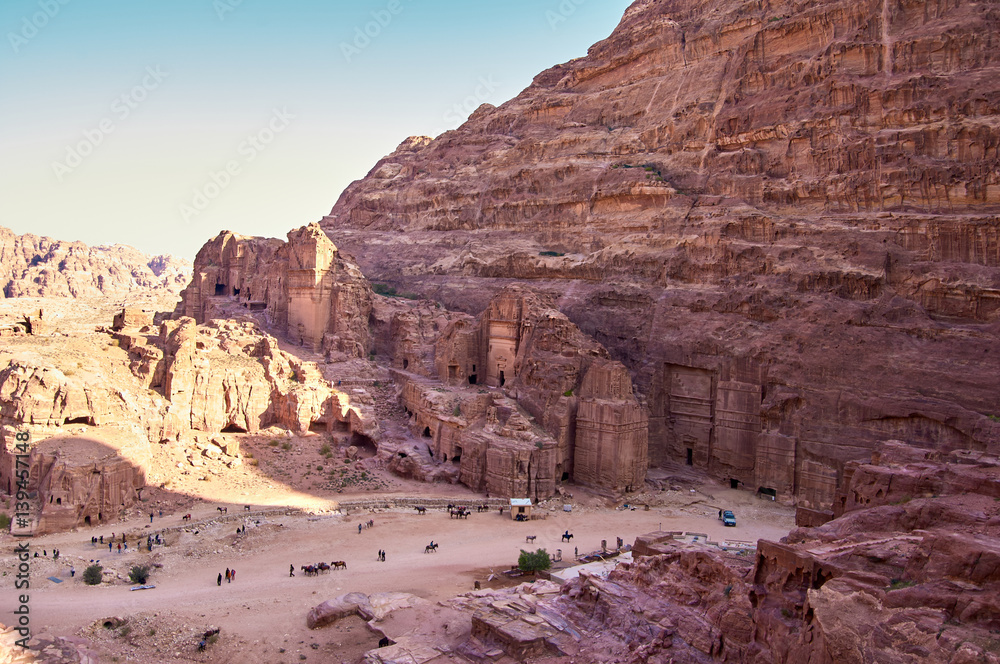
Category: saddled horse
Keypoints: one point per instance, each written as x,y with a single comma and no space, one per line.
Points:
567,536
339,564
310,570
322,567
460,513
186,517
420,510
431,548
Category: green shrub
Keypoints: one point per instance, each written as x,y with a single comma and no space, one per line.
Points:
325,450
139,574
4,521
286,446
273,443
93,575
534,562
457,412
568,393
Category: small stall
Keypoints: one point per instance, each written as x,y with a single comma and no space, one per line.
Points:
520,509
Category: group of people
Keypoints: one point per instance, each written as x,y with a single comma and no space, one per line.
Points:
370,523
230,576
45,554
123,544
381,555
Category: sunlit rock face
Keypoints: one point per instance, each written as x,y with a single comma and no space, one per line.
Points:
305,289
781,218
36,266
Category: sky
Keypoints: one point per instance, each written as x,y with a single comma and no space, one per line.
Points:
159,123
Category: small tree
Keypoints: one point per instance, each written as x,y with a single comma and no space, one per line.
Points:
93,575
533,562
139,574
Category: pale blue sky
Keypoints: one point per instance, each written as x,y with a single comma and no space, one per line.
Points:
116,114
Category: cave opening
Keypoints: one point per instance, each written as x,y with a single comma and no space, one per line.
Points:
458,455
565,477
220,289
472,379
690,456
234,428
78,420
86,520
366,446
427,432
58,501
734,483
503,379
406,363
402,455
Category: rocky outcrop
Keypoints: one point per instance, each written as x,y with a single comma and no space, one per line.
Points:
781,218
33,266
909,573
94,405
305,290
554,407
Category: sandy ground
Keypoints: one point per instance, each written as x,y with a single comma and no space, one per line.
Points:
294,486
264,610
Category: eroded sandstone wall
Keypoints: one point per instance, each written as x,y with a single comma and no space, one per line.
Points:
782,218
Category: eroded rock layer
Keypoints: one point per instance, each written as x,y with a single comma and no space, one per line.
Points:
782,218
885,582
33,266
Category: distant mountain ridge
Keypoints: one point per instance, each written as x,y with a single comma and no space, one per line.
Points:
37,266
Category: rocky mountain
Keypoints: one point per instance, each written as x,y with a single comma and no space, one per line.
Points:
34,266
781,217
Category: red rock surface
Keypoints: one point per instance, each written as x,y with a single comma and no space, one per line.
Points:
33,266
781,217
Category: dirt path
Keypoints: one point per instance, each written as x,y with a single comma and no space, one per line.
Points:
266,608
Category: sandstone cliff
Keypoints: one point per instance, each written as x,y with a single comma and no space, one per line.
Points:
304,288
782,218
905,575
33,266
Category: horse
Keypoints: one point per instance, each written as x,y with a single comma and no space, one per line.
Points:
530,538
421,510
567,536
339,564
186,517
431,548
322,567
310,570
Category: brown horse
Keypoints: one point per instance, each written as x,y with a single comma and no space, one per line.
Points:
339,564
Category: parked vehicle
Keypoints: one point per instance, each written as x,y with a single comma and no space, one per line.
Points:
728,518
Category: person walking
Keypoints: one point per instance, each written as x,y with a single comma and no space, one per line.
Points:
109,546
359,529
119,548
72,571
227,576
232,575
291,570
151,517
219,581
